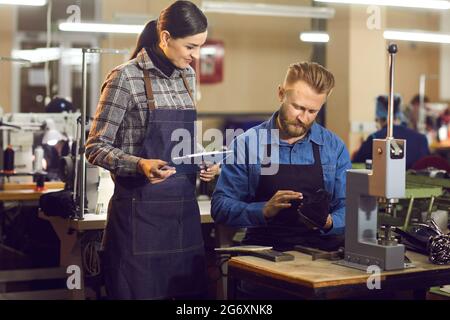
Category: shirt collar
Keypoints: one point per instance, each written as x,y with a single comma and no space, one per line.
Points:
314,134
145,63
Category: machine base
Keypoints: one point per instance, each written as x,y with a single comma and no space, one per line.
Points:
364,267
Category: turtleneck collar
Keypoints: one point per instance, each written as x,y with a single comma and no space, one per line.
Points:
160,60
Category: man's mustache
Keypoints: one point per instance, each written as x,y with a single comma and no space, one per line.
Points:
296,123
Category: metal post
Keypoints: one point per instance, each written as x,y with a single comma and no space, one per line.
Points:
421,112
390,120
408,213
81,149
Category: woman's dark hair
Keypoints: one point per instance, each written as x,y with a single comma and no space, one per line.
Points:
181,19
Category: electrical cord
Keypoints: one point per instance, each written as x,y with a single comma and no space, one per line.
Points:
91,244
220,264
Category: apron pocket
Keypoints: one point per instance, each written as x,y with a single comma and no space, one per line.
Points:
157,226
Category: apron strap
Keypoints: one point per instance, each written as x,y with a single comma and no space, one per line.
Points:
186,84
318,161
149,90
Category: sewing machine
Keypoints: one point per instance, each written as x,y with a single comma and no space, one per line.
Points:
25,130
385,182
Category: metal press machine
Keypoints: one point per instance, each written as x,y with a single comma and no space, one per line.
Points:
385,182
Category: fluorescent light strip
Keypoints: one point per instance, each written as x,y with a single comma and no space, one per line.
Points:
260,9
38,55
314,37
101,27
69,56
36,3
423,4
417,36
18,60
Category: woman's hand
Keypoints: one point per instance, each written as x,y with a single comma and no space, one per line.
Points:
152,169
208,173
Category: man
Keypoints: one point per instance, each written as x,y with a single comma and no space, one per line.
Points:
416,143
276,206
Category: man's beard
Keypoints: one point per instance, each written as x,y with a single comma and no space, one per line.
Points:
292,128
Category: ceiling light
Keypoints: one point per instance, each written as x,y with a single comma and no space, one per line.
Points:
12,59
38,55
423,4
261,9
24,2
70,56
314,37
417,36
101,27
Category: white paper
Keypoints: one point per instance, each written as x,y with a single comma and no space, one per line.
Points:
199,157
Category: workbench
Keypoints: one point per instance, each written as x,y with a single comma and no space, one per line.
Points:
323,279
98,221
13,267
70,232
25,191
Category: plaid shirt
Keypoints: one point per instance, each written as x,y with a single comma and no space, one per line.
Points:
118,129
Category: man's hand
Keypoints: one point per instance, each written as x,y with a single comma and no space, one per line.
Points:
208,173
280,200
329,224
315,210
151,168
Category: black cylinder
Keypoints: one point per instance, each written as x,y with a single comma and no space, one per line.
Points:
8,159
40,181
392,49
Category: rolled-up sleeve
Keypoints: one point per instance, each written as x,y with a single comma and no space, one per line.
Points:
112,107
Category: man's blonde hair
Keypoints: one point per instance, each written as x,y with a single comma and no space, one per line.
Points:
316,76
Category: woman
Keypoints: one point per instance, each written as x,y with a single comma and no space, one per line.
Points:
153,242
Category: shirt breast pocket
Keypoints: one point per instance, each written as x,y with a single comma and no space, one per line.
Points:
329,177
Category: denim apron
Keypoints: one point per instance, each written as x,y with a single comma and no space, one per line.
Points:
286,230
153,243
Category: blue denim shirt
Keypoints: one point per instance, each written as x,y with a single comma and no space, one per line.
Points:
233,201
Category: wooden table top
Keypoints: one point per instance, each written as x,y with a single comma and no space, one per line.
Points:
324,273
31,185
98,221
25,191
23,195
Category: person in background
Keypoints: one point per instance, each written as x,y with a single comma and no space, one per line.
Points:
416,143
412,112
59,145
